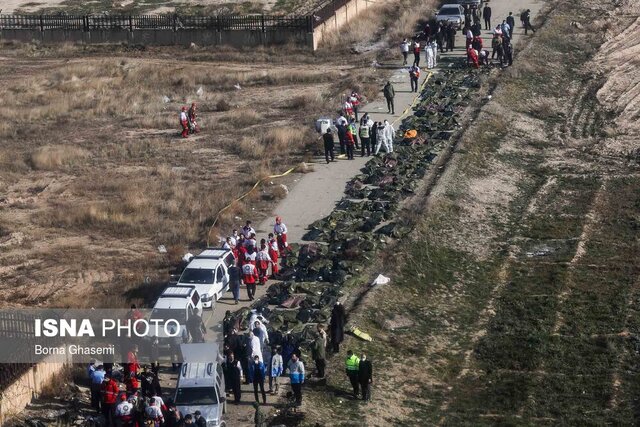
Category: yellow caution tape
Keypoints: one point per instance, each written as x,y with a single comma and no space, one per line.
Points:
215,221
414,99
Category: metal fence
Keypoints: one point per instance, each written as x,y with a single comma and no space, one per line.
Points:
157,22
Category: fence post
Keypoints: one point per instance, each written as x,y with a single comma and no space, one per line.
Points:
130,24
175,22
85,22
41,23
262,22
218,26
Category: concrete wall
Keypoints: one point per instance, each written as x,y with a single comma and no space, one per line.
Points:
342,16
236,38
19,394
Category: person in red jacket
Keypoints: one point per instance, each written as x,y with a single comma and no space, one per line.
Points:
242,252
250,255
132,383
280,230
250,278
473,57
110,393
184,122
132,365
263,260
273,254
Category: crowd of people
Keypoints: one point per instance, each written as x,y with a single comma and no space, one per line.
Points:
442,39
255,263
133,397
250,358
353,134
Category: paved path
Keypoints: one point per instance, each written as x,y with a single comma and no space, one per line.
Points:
315,195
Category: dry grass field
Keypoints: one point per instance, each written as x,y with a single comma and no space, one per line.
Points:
93,173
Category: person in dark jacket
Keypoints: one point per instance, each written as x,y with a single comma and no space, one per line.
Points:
451,37
327,138
527,22
234,281
338,319
512,24
200,421
486,14
228,324
196,327
389,93
258,374
508,53
365,376
440,38
232,376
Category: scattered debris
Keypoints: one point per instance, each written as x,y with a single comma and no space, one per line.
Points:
360,334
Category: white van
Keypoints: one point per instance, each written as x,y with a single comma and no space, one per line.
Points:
200,384
208,272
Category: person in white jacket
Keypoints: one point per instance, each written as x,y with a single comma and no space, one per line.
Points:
389,133
256,348
434,49
428,53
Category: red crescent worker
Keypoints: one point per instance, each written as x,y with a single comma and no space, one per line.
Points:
250,278
473,56
273,254
184,121
263,260
280,230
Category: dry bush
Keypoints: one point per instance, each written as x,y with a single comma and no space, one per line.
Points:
223,105
304,102
246,147
242,118
53,157
281,139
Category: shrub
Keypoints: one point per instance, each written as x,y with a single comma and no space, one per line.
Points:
53,157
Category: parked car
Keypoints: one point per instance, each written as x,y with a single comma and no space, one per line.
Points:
208,272
200,384
177,303
451,13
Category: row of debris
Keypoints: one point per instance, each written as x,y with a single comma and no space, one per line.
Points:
344,243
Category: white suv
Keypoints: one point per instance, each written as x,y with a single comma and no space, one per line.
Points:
201,383
451,14
177,303
208,272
